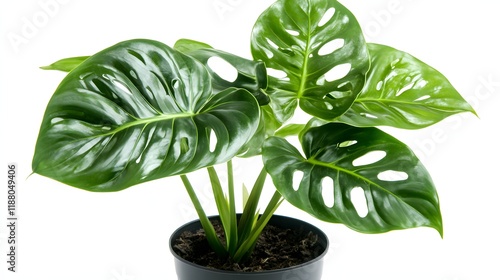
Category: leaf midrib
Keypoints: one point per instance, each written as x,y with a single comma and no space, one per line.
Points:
386,101
305,61
146,121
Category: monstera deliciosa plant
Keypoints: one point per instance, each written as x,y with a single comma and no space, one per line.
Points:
141,110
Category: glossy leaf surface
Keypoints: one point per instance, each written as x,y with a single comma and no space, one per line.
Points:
66,64
250,75
398,191
267,127
139,111
404,92
188,45
315,54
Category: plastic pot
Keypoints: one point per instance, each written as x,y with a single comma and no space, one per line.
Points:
311,270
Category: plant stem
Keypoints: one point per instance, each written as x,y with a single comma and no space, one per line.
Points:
241,236
233,246
212,237
250,209
246,248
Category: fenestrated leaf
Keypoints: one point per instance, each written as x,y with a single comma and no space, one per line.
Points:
251,75
139,111
398,190
403,92
319,53
267,127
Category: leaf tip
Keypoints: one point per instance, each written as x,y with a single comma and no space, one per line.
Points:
439,227
474,113
440,231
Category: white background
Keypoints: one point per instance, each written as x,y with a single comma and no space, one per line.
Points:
66,233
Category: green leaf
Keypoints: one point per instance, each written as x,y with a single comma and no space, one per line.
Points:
250,75
139,111
403,92
244,195
233,230
290,130
66,64
248,244
398,191
223,208
321,58
188,45
267,127
210,233
246,221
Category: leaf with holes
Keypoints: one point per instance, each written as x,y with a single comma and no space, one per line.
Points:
248,74
228,70
315,54
139,111
403,92
344,160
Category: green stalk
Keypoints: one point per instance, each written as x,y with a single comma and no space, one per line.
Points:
233,245
212,238
240,237
223,207
250,211
246,248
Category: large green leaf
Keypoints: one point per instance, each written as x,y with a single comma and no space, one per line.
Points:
250,75
320,54
267,127
139,111
403,92
398,191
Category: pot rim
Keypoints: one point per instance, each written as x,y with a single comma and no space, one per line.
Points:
318,231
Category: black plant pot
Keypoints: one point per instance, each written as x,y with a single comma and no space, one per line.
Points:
311,270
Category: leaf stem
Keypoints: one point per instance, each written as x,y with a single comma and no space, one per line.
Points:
246,248
210,233
249,212
233,246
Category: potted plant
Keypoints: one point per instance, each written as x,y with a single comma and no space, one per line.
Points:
141,110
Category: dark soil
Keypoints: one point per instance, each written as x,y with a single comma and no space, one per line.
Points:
276,248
